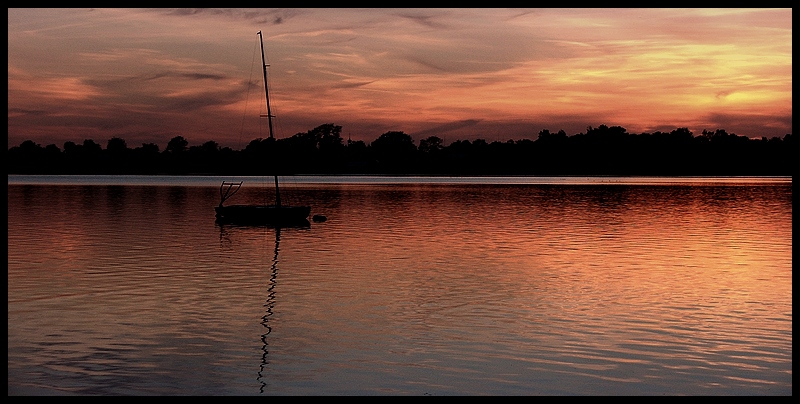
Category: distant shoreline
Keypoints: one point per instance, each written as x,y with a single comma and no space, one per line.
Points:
602,151
314,180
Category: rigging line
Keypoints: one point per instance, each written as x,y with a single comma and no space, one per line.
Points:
247,98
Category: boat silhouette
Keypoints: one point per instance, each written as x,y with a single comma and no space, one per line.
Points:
277,214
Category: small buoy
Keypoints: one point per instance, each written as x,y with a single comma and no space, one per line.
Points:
319,218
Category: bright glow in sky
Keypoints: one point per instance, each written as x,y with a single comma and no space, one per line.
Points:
148,75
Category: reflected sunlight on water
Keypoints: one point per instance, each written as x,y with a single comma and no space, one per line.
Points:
414,289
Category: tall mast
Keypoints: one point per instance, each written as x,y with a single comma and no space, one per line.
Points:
269,113
266,87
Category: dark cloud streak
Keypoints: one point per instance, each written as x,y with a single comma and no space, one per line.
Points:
265,16
424,20
22,111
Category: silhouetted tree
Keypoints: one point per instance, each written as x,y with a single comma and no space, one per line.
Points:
147,159
92,156
329,137
211,147
116,144
30,147
430,154
203,158
431,144
551,138
117,156
149,148
28,157
330,145
393,150
357,157
175,158
91,148
177,145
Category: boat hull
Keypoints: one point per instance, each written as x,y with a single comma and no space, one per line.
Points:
263,214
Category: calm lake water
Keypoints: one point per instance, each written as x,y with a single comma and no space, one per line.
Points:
413,286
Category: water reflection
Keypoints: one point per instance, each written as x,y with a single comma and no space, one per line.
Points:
269,304
177,199
407,289
116,198
229,242
89,195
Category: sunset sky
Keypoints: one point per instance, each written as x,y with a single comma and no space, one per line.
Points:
148,75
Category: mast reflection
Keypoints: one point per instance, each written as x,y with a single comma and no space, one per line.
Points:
269,304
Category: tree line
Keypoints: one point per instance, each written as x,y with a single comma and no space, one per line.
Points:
602,150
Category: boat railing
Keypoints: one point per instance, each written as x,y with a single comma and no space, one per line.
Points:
227,189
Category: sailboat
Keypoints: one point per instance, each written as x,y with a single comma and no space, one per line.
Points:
276,214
